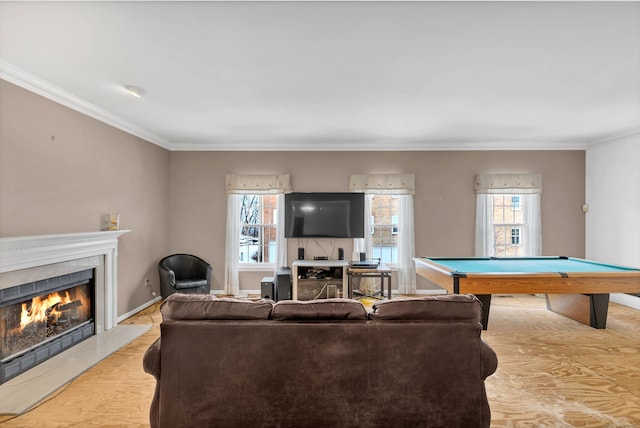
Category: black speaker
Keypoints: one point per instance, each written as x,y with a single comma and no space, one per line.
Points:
363,257
267,289
300,253
282,284
340,253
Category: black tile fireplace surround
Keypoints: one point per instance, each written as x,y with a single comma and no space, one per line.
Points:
14,362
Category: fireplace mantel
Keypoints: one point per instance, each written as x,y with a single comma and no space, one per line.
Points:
23,253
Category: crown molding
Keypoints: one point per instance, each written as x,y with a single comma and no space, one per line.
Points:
381,145
28,81
614,137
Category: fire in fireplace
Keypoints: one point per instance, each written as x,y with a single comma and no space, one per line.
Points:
36,327
23,325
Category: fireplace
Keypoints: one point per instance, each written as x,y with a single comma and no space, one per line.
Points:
55,292
38,320
37,266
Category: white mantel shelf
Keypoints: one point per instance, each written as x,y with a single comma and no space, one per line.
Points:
23,252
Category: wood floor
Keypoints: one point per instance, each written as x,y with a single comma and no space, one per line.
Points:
553,372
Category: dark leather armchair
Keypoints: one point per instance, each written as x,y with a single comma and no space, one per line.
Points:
184,273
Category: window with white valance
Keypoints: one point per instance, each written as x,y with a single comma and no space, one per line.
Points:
508,215
389,218
255,224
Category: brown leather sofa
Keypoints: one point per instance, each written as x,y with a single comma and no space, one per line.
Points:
224,362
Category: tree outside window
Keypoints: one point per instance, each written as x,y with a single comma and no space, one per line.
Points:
258,229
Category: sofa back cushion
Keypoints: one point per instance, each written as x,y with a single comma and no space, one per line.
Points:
325,309
208,307
446,307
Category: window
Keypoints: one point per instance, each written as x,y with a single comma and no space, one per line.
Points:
508,223
515,236
258,229
508,216
384,236
389,214
253,239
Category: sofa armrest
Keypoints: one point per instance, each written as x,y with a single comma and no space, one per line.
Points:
489,359
151,359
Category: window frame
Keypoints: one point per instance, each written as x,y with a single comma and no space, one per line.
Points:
261,225
518,235
393,229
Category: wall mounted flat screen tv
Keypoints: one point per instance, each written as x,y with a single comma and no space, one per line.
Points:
324,215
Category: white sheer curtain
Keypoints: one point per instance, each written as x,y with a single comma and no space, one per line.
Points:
484,225
533,219
243,184
529,187
281,243
402,186
406,246
231,276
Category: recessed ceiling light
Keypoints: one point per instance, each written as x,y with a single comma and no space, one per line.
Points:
135,91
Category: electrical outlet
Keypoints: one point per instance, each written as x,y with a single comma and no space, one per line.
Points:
147,283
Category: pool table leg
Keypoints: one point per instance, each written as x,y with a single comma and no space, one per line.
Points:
485,299
589,309
600,310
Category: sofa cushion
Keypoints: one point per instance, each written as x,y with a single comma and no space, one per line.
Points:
180,306
325,309
445,307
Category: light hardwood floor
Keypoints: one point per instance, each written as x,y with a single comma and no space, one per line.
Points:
553,372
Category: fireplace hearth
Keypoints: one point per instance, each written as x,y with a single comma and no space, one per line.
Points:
38,320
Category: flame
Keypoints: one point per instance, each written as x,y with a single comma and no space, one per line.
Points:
39,306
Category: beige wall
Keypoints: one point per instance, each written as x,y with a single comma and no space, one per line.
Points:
444,201
60,171
175,202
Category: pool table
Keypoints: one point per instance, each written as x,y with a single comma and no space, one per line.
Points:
576,288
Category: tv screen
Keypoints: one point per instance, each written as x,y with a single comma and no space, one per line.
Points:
324,215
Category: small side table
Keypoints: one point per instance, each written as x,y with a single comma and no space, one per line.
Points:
382,271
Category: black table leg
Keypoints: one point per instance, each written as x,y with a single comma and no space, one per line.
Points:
599,310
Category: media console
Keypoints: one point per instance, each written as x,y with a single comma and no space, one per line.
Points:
319,279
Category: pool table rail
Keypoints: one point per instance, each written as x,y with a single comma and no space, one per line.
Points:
624,281
582,296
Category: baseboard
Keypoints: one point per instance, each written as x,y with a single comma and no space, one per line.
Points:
138,309
626,300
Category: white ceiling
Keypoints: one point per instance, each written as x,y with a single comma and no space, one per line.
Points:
336,75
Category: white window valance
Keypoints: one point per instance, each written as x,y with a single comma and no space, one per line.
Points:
258,183
397,184
509,183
